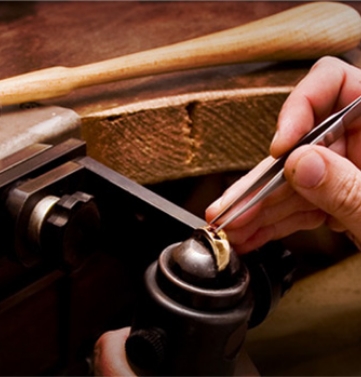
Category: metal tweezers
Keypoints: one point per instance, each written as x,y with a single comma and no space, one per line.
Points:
325,134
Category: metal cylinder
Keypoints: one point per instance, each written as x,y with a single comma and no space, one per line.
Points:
190,323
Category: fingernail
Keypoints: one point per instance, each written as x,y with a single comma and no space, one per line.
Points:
309,170
216,204
275,138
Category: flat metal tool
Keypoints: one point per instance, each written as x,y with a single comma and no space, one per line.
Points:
325,134
22,127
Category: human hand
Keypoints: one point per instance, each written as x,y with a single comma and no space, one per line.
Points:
110,359
109,354
323,184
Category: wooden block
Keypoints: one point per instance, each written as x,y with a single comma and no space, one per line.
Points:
185,135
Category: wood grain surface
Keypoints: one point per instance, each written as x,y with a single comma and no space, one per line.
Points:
37,35
186,118
307,31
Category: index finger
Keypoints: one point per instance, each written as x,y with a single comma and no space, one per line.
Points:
330,85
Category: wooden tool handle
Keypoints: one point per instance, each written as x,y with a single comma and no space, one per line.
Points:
304,32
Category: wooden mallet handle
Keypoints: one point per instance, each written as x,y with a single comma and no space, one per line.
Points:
303,32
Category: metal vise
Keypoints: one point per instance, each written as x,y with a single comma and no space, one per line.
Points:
77,239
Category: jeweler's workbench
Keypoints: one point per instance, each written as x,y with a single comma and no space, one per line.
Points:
206,122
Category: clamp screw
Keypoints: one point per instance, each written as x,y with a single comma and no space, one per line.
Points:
72,228
146,348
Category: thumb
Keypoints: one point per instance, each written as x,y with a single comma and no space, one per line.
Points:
329,181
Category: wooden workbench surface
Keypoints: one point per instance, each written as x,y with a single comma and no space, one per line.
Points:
37,35
163,127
